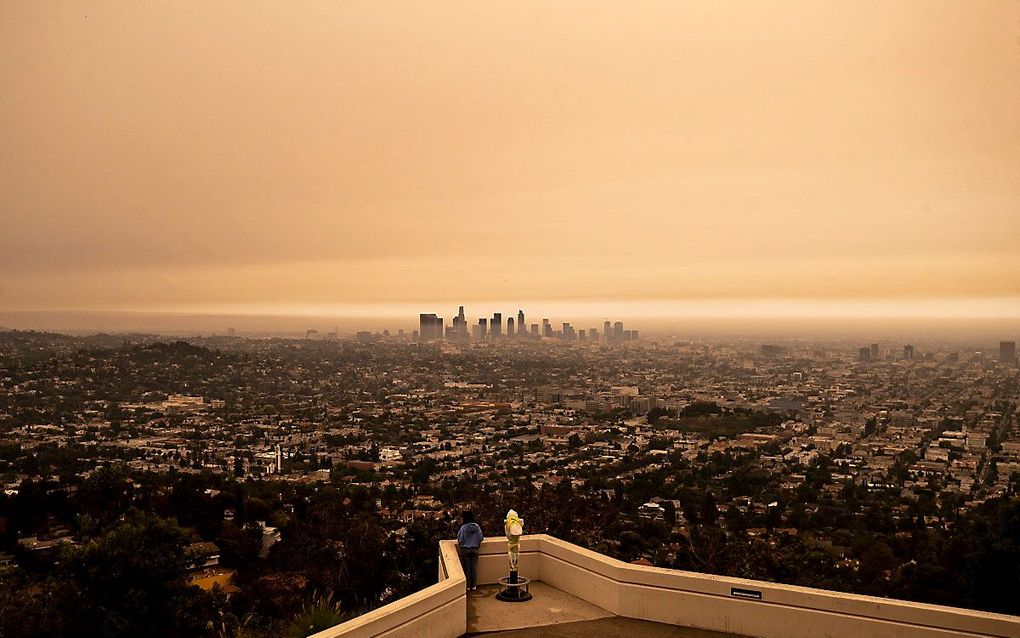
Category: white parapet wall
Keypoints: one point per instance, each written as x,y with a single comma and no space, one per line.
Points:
689,599
734,605
438,611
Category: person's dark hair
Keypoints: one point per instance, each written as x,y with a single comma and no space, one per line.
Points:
469,517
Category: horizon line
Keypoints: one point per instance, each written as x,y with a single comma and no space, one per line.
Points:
955,308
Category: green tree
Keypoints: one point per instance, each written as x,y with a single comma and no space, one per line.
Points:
132,581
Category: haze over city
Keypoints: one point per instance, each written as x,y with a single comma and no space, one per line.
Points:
450,318
373,160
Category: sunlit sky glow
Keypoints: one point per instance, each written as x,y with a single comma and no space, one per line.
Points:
682,159
654,309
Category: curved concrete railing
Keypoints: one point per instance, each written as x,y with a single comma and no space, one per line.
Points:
746,607
688,599
438,611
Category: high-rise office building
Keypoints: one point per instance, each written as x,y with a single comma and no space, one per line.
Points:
606,330
482,328
510,327
496,325
547,330
908,352
522,328
460,330
430,327
1007,352
618,331
864,355
534,330
874,352
593,334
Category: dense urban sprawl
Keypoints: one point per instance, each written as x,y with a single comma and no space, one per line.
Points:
298,481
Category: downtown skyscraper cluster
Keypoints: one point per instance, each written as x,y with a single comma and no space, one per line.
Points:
433,328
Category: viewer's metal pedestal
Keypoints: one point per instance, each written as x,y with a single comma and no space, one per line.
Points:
515,588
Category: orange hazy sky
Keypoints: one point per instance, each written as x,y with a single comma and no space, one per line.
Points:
267,155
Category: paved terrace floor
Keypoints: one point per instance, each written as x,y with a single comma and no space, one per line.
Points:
612,627
557,614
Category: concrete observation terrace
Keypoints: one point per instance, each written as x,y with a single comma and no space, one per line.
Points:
581,593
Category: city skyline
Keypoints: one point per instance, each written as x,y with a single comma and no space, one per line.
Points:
432,327
963,330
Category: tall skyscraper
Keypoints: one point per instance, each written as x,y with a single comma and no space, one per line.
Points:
864,355
510,327
593,334
908,352
546,328
496,325
430,327
606,330
1007,352
874,352
460,330
483,328
522,328
534,330
618,331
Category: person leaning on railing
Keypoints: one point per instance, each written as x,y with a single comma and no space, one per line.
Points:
469,538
